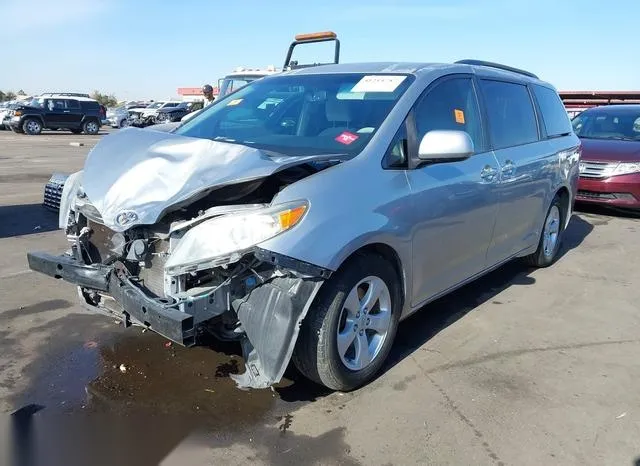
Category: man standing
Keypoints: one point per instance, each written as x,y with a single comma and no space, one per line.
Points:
207,90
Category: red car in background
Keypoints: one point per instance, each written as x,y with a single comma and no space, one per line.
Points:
610,162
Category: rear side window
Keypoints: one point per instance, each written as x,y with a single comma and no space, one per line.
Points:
512,119
72,104
554,115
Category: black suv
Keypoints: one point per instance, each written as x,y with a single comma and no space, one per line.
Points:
76,114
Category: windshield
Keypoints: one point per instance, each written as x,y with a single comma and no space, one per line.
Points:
302,115
37,102
622,124
155,105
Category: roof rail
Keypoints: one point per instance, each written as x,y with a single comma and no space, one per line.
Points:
68,94
496,65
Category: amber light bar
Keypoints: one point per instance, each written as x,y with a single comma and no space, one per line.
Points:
316,35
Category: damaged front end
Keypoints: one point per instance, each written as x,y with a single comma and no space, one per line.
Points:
196,269
159,278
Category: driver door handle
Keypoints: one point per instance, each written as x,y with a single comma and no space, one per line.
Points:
508,169
488,173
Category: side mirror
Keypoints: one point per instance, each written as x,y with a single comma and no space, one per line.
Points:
445,146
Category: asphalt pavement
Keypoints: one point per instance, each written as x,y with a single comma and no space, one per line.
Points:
523,367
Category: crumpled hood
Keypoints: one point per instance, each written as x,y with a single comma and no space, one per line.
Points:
132,176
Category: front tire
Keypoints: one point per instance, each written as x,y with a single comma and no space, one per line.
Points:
349,330
91,127
551,237
32,126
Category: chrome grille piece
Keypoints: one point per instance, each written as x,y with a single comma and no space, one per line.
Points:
597,169
53,191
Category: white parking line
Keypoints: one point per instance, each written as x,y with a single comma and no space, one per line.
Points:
15,274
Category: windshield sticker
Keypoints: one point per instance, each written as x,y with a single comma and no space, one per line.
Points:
459,116
347,138
378,83
234,102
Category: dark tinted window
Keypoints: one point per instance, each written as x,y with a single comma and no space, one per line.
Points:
91,105
451,105
554,115
512,120
72,104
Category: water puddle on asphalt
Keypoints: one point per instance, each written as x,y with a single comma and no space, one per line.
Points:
105,375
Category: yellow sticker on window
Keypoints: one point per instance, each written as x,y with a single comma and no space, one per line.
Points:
459,116
234,102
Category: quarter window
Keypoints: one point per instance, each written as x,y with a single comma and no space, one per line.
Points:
512,119
451,105
72,104
554,115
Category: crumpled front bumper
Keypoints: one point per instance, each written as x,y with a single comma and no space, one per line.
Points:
143,310
269,315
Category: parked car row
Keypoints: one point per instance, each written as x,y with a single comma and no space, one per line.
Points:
149,114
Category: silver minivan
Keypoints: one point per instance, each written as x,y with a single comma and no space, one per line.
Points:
307,213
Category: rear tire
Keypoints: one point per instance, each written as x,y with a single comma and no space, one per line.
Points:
346,336
91,127
32,126
551,236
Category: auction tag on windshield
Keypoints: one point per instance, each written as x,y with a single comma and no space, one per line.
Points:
234,102
347,138
459,116
378,83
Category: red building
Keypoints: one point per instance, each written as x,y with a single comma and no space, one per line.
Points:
191,94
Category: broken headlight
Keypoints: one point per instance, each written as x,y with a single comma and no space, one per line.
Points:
227,238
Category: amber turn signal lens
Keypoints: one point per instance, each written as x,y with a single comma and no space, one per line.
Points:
290,217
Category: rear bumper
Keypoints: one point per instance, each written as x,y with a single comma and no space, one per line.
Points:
617,191
136,306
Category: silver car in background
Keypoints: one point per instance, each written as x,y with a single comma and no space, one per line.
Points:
117,117
309,212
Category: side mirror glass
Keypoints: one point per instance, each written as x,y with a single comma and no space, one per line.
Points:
445,145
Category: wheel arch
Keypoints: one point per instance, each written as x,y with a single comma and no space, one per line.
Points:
392,256
565,196
33,117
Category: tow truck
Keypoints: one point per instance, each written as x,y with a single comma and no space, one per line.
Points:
230,83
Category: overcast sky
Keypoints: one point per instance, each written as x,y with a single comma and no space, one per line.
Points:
146,48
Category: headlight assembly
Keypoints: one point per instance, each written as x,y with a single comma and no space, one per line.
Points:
625,168
227,238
